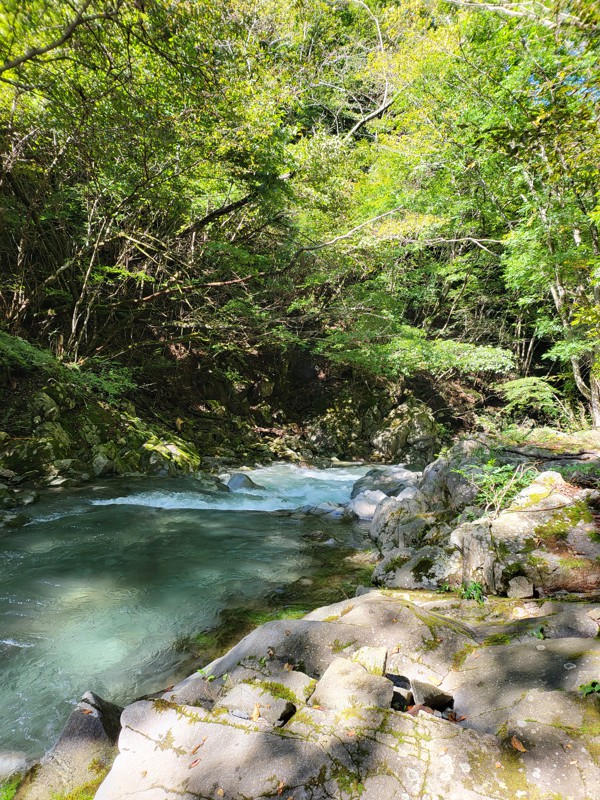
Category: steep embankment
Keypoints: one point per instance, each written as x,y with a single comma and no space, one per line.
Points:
60,426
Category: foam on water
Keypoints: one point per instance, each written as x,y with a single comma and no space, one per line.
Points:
285,487
102,582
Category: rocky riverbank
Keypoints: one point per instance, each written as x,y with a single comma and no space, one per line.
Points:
402,691
391,694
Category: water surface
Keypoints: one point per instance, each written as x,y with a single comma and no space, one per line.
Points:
97,588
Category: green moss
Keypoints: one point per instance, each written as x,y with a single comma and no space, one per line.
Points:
348,782
337,646
160,705
9,788
86,791
396,563
423,568
460,656
562,521
574,563
514,570
309,688
275,689
496,639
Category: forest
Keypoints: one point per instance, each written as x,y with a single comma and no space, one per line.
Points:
401,190
299,399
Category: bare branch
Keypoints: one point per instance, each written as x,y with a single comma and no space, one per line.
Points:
536,12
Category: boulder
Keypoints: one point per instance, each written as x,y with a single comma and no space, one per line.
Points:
350,741
86,747
393,512
365,504
427,695
410,433
241,481
254,701
424,568
390,481
373,659
520,587
346,685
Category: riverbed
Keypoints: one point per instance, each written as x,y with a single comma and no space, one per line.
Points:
106,585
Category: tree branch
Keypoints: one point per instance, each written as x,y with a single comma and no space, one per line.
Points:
75,23
526,11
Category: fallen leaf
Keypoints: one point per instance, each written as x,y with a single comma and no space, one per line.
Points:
394,620
280,787
572,762
351,733
169,688
568,746
518,745
256,713
194,763
220,792
318,707
289,667
288,632
414,710
498,765
270,652
86,711
443,751
198,746
453,717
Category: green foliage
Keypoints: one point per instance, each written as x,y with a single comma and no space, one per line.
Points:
593,687
498,484
106,378
527,395
539,632
413,193
473,590
8,789
18,355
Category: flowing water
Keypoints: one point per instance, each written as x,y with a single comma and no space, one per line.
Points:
100,585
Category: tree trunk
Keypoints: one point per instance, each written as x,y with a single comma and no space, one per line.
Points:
595,399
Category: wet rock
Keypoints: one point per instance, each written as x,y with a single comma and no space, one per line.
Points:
7,499
12,763
239,481
87,743
520,587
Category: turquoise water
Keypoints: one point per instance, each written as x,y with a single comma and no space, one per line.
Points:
102,582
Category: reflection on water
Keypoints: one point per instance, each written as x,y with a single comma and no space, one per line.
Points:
102,582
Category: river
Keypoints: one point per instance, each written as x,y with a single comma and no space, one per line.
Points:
104,581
